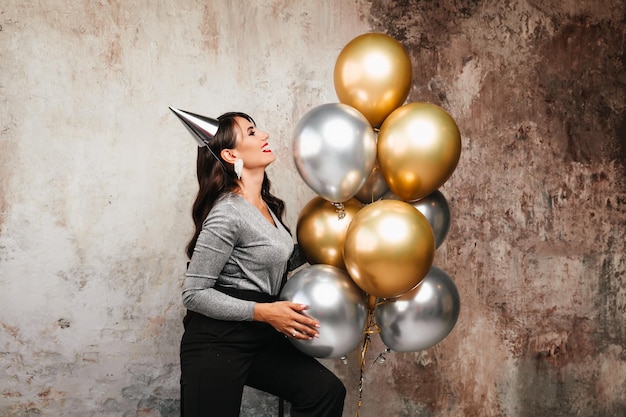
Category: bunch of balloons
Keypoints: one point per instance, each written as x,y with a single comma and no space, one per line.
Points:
370,234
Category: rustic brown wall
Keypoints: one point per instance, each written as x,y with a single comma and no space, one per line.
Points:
537,247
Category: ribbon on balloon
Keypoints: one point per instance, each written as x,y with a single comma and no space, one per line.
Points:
371,328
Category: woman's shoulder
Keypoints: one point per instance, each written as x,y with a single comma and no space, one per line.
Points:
230,199
226,208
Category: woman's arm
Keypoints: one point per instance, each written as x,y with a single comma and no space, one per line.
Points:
213,249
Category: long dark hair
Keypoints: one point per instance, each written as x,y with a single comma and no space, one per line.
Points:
216,176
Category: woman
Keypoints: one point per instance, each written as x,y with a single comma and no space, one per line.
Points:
236,331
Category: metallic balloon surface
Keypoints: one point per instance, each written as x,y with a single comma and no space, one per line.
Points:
334,150
419,147
336,302
374,188
389,248
422,317
436,209
321,231
373,74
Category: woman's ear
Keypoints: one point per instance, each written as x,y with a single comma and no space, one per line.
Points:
228,156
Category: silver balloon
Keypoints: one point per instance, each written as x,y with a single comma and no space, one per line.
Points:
334,150
421,317
436,210
336,302
374,188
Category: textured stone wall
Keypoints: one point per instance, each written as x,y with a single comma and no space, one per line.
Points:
97,177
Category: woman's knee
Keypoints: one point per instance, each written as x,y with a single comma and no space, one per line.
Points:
337,389
331,395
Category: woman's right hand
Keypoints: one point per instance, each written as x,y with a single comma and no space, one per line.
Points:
288,318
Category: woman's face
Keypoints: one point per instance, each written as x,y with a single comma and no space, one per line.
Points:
252,146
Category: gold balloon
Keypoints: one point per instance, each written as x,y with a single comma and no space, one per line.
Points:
389,248
371,302
321,233
373,74
419,146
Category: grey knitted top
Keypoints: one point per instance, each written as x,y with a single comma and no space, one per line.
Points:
237,247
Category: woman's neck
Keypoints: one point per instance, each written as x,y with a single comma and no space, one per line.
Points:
250,188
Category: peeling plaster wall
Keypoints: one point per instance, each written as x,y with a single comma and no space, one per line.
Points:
98,177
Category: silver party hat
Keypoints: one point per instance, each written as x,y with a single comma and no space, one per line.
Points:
202,128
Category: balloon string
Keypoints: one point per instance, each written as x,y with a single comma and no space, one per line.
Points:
366,342
370,329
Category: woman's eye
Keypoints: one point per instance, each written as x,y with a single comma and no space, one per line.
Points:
252,133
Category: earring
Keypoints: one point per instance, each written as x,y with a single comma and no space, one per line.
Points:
238,167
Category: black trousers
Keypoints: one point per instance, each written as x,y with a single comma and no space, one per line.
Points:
219,357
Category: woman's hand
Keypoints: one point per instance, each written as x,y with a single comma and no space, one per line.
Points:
288,318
